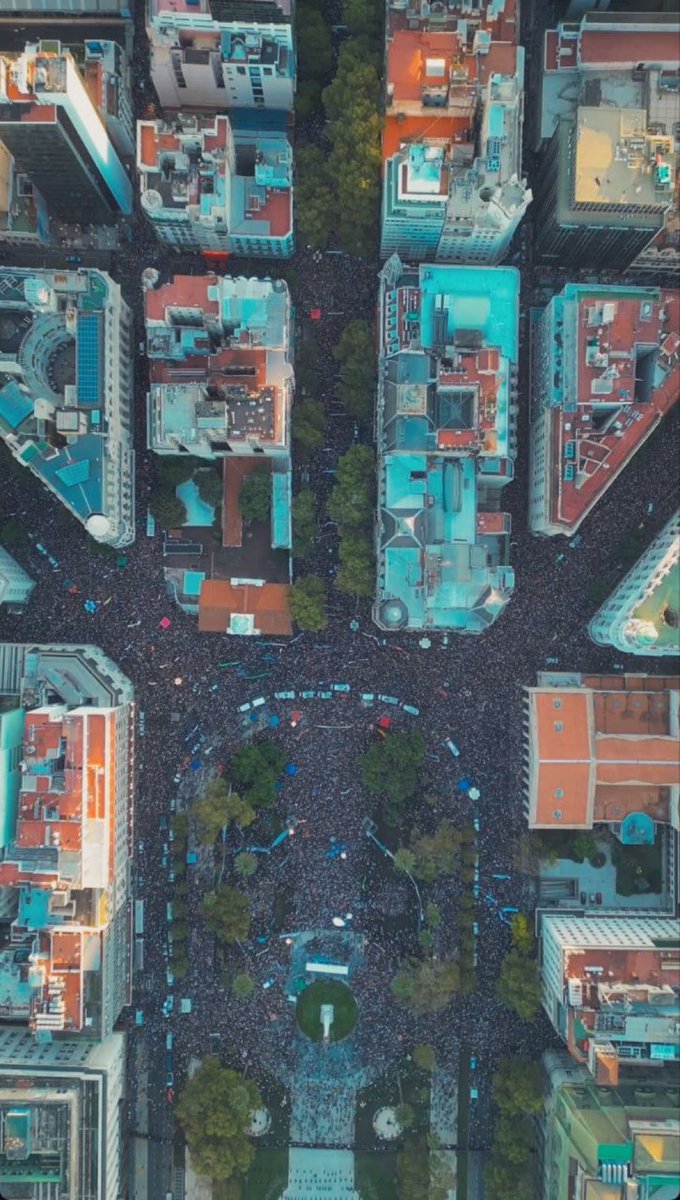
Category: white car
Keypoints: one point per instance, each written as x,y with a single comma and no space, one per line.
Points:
452,747
177,778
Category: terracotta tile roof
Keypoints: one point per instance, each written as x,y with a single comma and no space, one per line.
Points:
626,46
268,604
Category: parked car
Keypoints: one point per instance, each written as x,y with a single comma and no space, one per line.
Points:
452,747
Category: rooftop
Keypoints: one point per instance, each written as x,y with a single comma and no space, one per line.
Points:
226,606
619,163
499,17
603,751
609,366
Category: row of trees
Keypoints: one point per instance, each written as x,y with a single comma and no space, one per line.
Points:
518,985
214,1110
518,1093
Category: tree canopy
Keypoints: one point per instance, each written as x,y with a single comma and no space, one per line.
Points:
425,987
391,768
255,499
213,1109
356,575
308,424
167,508
219,806
304,523
307,599
518,986
435,853
255,769
351,500
518,1086
355,353
210,485
227,913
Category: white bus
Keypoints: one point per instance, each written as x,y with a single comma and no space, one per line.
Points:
139,918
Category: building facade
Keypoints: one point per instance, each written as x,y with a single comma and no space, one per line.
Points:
207,187
15,585
58,138
607,122
605,369
446,435
198,61
452,145
66,392
62,1117
611,989
642,614
107,77
609,1141
65,964
24,220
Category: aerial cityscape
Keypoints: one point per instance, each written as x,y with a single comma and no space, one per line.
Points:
339,600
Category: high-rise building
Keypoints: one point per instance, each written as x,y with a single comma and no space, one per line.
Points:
605,367
642,615
107,77
452,146
62,1117
611,988
226,62
66,392
446,434
15,585
607,119
602,749
205,186
24,219
610,1142
221,388
57,137
65,965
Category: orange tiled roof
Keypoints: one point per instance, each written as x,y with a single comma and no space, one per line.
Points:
268,604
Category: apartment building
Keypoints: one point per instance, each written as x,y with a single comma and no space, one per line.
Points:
15,585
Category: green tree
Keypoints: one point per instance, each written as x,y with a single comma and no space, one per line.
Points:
227,913
518,1086
171,470
307,360
315,201
356,575
180,966
425,987
424,1056
363,18
255,770
514,1139
12,533
505,1182
433,916
314,44
217,807
308,602
518,986
391,768
351,500
243,985
308,425
210,486
422,1173
213,1109
352,103
167,508
245,865
522,934
436,852
255,499
405,1115
180,931
304,523
404,859
357,378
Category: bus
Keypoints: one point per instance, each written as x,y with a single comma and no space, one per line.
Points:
139,918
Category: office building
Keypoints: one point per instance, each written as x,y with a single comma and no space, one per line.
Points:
499,17
23,213
642,615
607,121
605,369
446,434
57,137
107,77
66,392
611,989
452,146
15,585
65,962
221,388
225,63
609,1143
63,1124
207,187
602,749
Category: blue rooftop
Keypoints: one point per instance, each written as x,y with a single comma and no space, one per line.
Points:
89,357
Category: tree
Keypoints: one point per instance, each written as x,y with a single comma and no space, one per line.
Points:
433,916
521,933
316,204
505,1182
245,865
307,599
391,768
518,986
363,18
314,44
213,1109
352,103
307,360
518,1086
421,1173
218,807
255,770
255,499
424,1056
435,853
227,913
304,523
351,500
167,508
210,486
12,533
180,931
425,987
243,985
356,575
171,470
404,859
405,1115
514,1139
357,378
308,425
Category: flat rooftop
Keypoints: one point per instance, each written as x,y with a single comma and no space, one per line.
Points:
618,163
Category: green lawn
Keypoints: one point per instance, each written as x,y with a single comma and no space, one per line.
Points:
327,991
375,1175
267,1177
